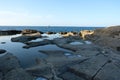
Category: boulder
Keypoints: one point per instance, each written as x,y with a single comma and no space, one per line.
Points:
28,31
69,34
18,74
85,33
2,51
8,62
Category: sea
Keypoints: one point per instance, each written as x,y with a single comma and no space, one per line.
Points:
50,28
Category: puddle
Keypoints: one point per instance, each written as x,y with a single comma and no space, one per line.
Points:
27,57
40,78
52,36
70,55
74,56
88,42
67,54
76,43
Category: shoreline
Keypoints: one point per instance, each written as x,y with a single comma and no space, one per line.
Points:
85,48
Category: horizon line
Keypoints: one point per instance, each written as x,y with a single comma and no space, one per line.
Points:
48,26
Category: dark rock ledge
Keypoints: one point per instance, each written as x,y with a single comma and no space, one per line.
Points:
10,69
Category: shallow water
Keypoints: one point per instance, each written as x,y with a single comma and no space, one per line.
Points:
49,37
27,57
76,43
88,42
40,78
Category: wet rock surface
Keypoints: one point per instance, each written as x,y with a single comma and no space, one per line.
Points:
70,76
18,74
10,69
8,62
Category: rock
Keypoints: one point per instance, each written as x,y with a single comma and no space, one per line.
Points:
1,76
85,33
43,70
118,48
63,33
39,43
2,51
109,72
33,34
66,40
10,32
69,34
87,69
18,74
50,33
70,76
111,31
8,62
75,33
28,31
41,32
24,38
58,58
108,37
53,53
88,53
78,47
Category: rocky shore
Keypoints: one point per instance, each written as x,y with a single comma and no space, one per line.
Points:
88,55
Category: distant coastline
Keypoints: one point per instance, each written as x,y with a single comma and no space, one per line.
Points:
51,28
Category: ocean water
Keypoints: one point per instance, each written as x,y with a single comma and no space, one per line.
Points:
49,28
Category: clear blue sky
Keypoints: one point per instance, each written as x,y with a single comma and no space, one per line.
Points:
60,12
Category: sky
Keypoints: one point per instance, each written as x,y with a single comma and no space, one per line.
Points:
59,12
